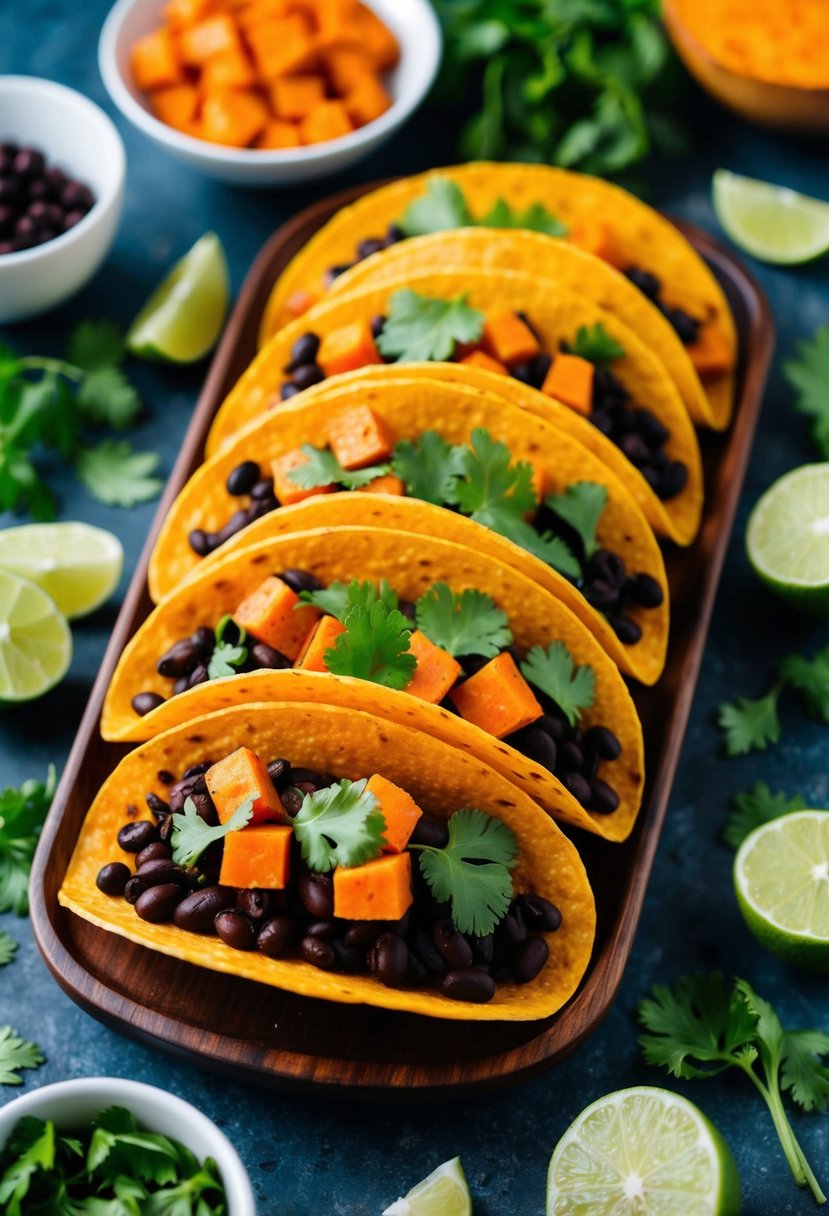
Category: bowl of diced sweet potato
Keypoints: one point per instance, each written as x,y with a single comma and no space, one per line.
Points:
269,92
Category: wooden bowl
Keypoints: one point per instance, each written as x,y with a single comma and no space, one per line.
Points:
783,107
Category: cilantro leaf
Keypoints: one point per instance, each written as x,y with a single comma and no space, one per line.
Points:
323,469
802,1070
555,673
8,949
96,344
228,656
340,825
16,1053
116,474
488,478
421,328
427,466
442,207
31,1147
581,507
191,835
107,398
22,812
337,599
595,344
535,218
472,870
750,725
374,646
755,807
465,623
809,375
811,679
332,600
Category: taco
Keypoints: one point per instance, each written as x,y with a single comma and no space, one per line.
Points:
437,636
289,813
592,214
527,494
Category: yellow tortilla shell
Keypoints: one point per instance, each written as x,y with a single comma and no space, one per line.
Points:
412,564
641,237
350,744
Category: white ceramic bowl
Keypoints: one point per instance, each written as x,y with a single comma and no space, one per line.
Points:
75,135
74,1103
412,21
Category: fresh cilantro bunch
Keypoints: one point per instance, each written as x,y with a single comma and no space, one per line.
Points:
755,807
52,405
809,375
580,83
699,1029
22,812
444,206
751,725
191,835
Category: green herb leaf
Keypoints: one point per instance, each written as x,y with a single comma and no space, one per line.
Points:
191,835
581,507
803,1071
340,825
554,671
420,328
337,599
472,871
427,467
535,218
323,469
465,623
809,375
750,725
116,474
22,812
96,344
442,207
106,398
374,646
8,949
228,656
332,600
756,807
15,1054
595,344
811,679
31,1148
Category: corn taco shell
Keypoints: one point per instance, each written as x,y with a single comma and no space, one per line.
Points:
454,411
601,217
411,564
350,744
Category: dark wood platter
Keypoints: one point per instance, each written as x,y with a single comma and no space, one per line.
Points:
275,1038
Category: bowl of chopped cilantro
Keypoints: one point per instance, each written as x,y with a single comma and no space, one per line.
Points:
100,1139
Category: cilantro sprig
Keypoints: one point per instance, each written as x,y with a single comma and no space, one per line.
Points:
809,376
338,598
755,807
230,650
554,671
15,1054
581,506
464,623
22,812
422,328
444,207
341,824
191,835
374,646
428,466
322,468
750,725
8,949
698,1029
594,343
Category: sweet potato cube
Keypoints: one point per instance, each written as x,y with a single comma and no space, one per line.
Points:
272,616
278,134
436,669
257,857
399,810
240,776
347,68
176,106
187,12
213,36
348,348
507,338
479,358
261,12
322,637
358,437
570,380
497,698
327,120
286,490
595,237
293,97
335,20
709,354
155,64
376,39
282,46
228,70
234,118
387,484
366,101
377,890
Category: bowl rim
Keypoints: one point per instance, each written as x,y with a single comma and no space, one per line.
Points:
64,95
308,156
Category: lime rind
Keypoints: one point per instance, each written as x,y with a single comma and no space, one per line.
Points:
35,640
76,564
787,538
183,318
772,223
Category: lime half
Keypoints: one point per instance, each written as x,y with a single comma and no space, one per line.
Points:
77,565
788,538
642,1152
184,316
443,1193
781,876
35,642
770,222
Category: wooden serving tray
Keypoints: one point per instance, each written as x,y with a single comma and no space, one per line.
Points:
276,1038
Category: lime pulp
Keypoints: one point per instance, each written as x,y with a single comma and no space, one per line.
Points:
443,1193
184,316
772,223
35,641
787,538
77,565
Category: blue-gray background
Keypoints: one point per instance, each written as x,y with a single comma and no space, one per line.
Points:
310,1156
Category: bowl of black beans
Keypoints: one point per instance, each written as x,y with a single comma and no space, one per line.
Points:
62,170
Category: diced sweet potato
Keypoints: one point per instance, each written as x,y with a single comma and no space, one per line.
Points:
710,354
399,810
262,11
257,857
436,670
271,615
497,698
507,338
240,776
358,437
228,70
282,46
377,890
348,348
570,380
292,97
376,39
188,12
327,120
347,67
479,358
176,106
367,100
155,64
288,491
594,237
387,484
334,20
213,36
322,637
235,118
278,134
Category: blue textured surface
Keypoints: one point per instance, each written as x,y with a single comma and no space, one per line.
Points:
311,1156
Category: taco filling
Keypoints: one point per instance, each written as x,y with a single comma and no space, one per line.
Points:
350,877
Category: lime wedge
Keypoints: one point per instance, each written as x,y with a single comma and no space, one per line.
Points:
35,642
781,876
77,565
184,316
642,1152
787,538
443,1193
770,222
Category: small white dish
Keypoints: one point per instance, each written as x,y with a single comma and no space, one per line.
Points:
75,135
414,24
74,1103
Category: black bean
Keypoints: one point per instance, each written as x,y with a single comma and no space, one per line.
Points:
407,607
625,628
388,960
430,831
6,220
136,835
181,685
325,929
647,283
363,933
577,786
674,480
644,590
307,375
198,676
635,448
278,770
157,851
235,930
157,904
304,349
483,949
349,958
74,195
112,878
511,930
263,489
319,953
198,770
570,757
255,903
198,911
535,744
72,218
529,959
532,371
650,427
205,808
179,660
162,870
538,912
451,944
243,478
200,542
204,639
29,163
262,655
134,888
378,324
288,390
417,976
311,778
238,520
686,326
317,894
144,702
10,189
603,798
369,246
554,725
603,741
276,936
165,828
474,986
601,594
301,580
427,952
291,800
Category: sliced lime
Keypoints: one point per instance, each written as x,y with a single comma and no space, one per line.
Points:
787,538
772,223
642,1152
443,1193
781,876
184,316
77,565
35,642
